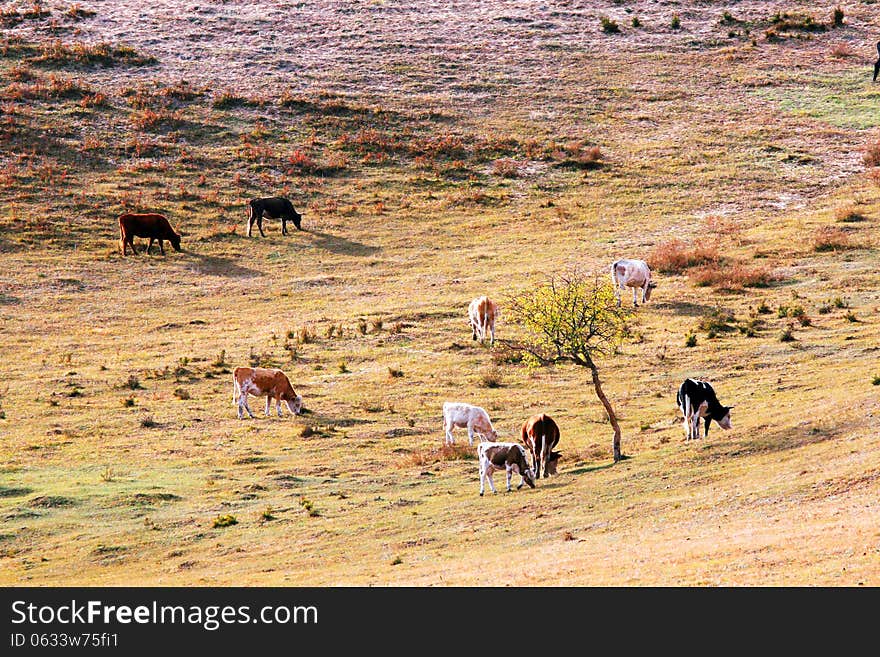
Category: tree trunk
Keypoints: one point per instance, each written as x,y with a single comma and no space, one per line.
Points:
597,384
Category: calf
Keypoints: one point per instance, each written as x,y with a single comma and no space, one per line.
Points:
259,381
154,226
274,207
476,419
510,456
482,313
540,435
632,273
697,399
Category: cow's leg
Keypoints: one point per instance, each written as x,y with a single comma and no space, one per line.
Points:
488,476
474,329
283,225
268,405
131,244
508,478
470,429
635,297
251,216
242,404
686,412
447,428
278,406
161,247
708,419
492,332
260,223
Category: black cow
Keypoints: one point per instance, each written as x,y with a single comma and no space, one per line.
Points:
697,399
274,207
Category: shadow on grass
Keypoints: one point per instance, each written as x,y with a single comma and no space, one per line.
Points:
685,308
769,443
218,266
592,468
341,245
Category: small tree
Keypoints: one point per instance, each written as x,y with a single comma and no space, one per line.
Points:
572,318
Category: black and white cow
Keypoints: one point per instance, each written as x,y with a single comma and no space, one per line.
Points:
503,456
697,399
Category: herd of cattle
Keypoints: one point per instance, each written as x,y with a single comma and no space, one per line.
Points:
540,433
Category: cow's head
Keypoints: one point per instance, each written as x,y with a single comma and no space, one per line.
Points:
724,415
648,289
175,241
297,220
491,436
295,404
552,463
523,467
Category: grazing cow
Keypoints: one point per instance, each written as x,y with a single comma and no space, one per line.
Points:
632,273
697,399
482,313
877,63
540,435
154,226
259,381
274,207
476,419
510,456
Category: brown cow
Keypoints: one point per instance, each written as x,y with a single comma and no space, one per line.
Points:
259,381
154,226
482,313
540,434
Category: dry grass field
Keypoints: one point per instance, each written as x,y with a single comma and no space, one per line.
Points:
437,151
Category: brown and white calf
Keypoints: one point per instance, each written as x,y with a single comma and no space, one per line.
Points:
474,418
482,313
151,225
632,273
259,382
540,434
510,457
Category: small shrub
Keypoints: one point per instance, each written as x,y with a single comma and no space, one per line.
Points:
224,521
396,328
727,19
871,157
787,334
763,308
266,514
491,378
147,422
343,367
840,302
824,309
849,215
851,317
395,373
675,256
362,326
876,380
376,325
690,340
304,335
396,561
837,17
307,432
220,361
716,321
107,474
307,504
133,382
609,26
128,402
182,393
506,168
831,238
732,277
636,22
676,22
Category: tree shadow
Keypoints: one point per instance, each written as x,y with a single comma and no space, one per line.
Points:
341,245
590,468
684,308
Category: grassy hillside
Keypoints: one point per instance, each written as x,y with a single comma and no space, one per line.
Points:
436,154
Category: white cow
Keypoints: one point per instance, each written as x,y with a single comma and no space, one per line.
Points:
476,419
632,273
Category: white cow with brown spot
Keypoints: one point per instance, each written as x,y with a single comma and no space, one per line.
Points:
482,313
509,457
632,273
474,418
260,381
